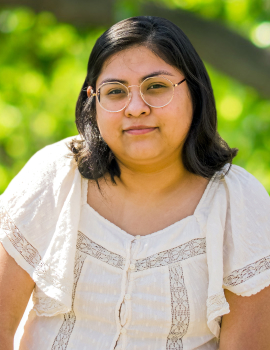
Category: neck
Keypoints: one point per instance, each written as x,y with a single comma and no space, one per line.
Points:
153,179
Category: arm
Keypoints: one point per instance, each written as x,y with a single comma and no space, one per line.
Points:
16,287
247,326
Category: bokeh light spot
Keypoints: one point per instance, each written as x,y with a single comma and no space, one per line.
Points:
58,40
8,21
26,19
31,82
44,125
236,9
261,35
10,117
230,107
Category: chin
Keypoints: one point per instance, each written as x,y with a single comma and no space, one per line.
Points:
143,156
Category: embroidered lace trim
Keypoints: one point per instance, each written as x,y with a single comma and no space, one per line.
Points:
241,275
182,252
27,251
87,246
63,336
217,306
179,308
46,306
20,243
215,303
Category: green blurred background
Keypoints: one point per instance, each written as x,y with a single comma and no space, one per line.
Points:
43,59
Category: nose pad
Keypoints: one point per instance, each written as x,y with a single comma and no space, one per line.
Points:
139,94
136,107
129,98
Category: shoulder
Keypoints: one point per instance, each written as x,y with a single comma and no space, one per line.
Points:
53,153
245,191
248,205
235,194
48,170
239,176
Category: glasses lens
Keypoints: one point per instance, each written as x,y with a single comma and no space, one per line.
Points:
157,91
113,96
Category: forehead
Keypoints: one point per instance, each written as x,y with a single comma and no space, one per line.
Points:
134,63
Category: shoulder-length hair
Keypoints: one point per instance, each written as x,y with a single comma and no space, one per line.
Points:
204,151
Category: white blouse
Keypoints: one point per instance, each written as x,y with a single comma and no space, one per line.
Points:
100,288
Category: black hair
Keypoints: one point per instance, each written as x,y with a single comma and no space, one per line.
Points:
204,151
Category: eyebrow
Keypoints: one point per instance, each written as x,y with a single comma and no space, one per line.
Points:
153,74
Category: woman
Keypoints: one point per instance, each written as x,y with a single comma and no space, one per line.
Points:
131,241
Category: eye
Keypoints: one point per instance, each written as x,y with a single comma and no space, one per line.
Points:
115,92
156,86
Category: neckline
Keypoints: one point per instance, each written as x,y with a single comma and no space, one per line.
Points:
153,234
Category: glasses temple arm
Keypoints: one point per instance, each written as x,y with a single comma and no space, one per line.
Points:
179,82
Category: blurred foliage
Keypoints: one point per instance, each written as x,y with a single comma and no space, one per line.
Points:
250,18
43,66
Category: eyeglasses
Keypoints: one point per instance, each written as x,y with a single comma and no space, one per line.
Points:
156,92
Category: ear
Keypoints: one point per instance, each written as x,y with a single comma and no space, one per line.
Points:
89,91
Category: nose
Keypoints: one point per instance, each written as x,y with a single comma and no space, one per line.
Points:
136,106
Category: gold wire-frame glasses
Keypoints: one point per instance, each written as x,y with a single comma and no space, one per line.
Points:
152,90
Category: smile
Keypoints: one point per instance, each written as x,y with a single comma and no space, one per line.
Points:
139,130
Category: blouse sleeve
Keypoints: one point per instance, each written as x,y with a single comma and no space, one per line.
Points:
246,250
238,240
39,215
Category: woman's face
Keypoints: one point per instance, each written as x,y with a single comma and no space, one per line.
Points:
164,129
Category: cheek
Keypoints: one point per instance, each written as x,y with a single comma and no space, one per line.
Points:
179,117
109,125
177,123
185,113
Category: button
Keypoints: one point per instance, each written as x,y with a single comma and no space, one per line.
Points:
127,297
132,267
138,237
123,331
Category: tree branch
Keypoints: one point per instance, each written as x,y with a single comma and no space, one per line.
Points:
81,13
224,49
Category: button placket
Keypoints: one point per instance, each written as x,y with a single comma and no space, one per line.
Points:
134,250
132,266
123,330
124,310
127,297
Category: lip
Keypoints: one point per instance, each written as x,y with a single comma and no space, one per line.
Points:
139,129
